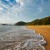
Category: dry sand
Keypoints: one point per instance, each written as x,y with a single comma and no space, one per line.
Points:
43,30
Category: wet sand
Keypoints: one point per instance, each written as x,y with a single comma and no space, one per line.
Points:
43,30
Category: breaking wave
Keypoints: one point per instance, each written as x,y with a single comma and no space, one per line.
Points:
21,38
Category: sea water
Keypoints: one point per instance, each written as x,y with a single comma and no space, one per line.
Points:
20,38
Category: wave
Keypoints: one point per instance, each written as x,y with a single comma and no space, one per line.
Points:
21,38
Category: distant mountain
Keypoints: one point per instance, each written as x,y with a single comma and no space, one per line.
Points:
20,23
43,21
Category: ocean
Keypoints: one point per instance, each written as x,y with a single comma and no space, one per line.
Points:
4,28
20,38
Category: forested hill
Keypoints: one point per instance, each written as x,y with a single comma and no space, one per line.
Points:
43,21
20,23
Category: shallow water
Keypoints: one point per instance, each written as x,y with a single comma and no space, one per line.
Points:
20,38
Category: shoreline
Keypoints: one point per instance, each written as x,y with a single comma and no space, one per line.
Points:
44,30
22,38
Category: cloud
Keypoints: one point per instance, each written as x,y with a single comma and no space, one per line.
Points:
11,12
7,20
16,11
20,9
21,2
1,8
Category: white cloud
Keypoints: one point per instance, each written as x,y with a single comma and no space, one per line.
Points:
6,20
5,6
1,8
21,2
11,12
14,12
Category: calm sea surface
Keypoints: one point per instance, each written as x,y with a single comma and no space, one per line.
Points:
5,28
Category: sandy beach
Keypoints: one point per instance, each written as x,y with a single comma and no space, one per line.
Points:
43,30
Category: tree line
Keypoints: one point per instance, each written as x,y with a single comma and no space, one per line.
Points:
43,21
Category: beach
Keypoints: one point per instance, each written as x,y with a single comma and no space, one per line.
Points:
44,30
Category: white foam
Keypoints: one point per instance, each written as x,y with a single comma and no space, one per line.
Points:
27,39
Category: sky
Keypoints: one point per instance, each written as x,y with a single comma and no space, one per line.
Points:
12,11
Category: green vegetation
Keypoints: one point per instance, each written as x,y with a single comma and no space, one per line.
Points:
43,21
